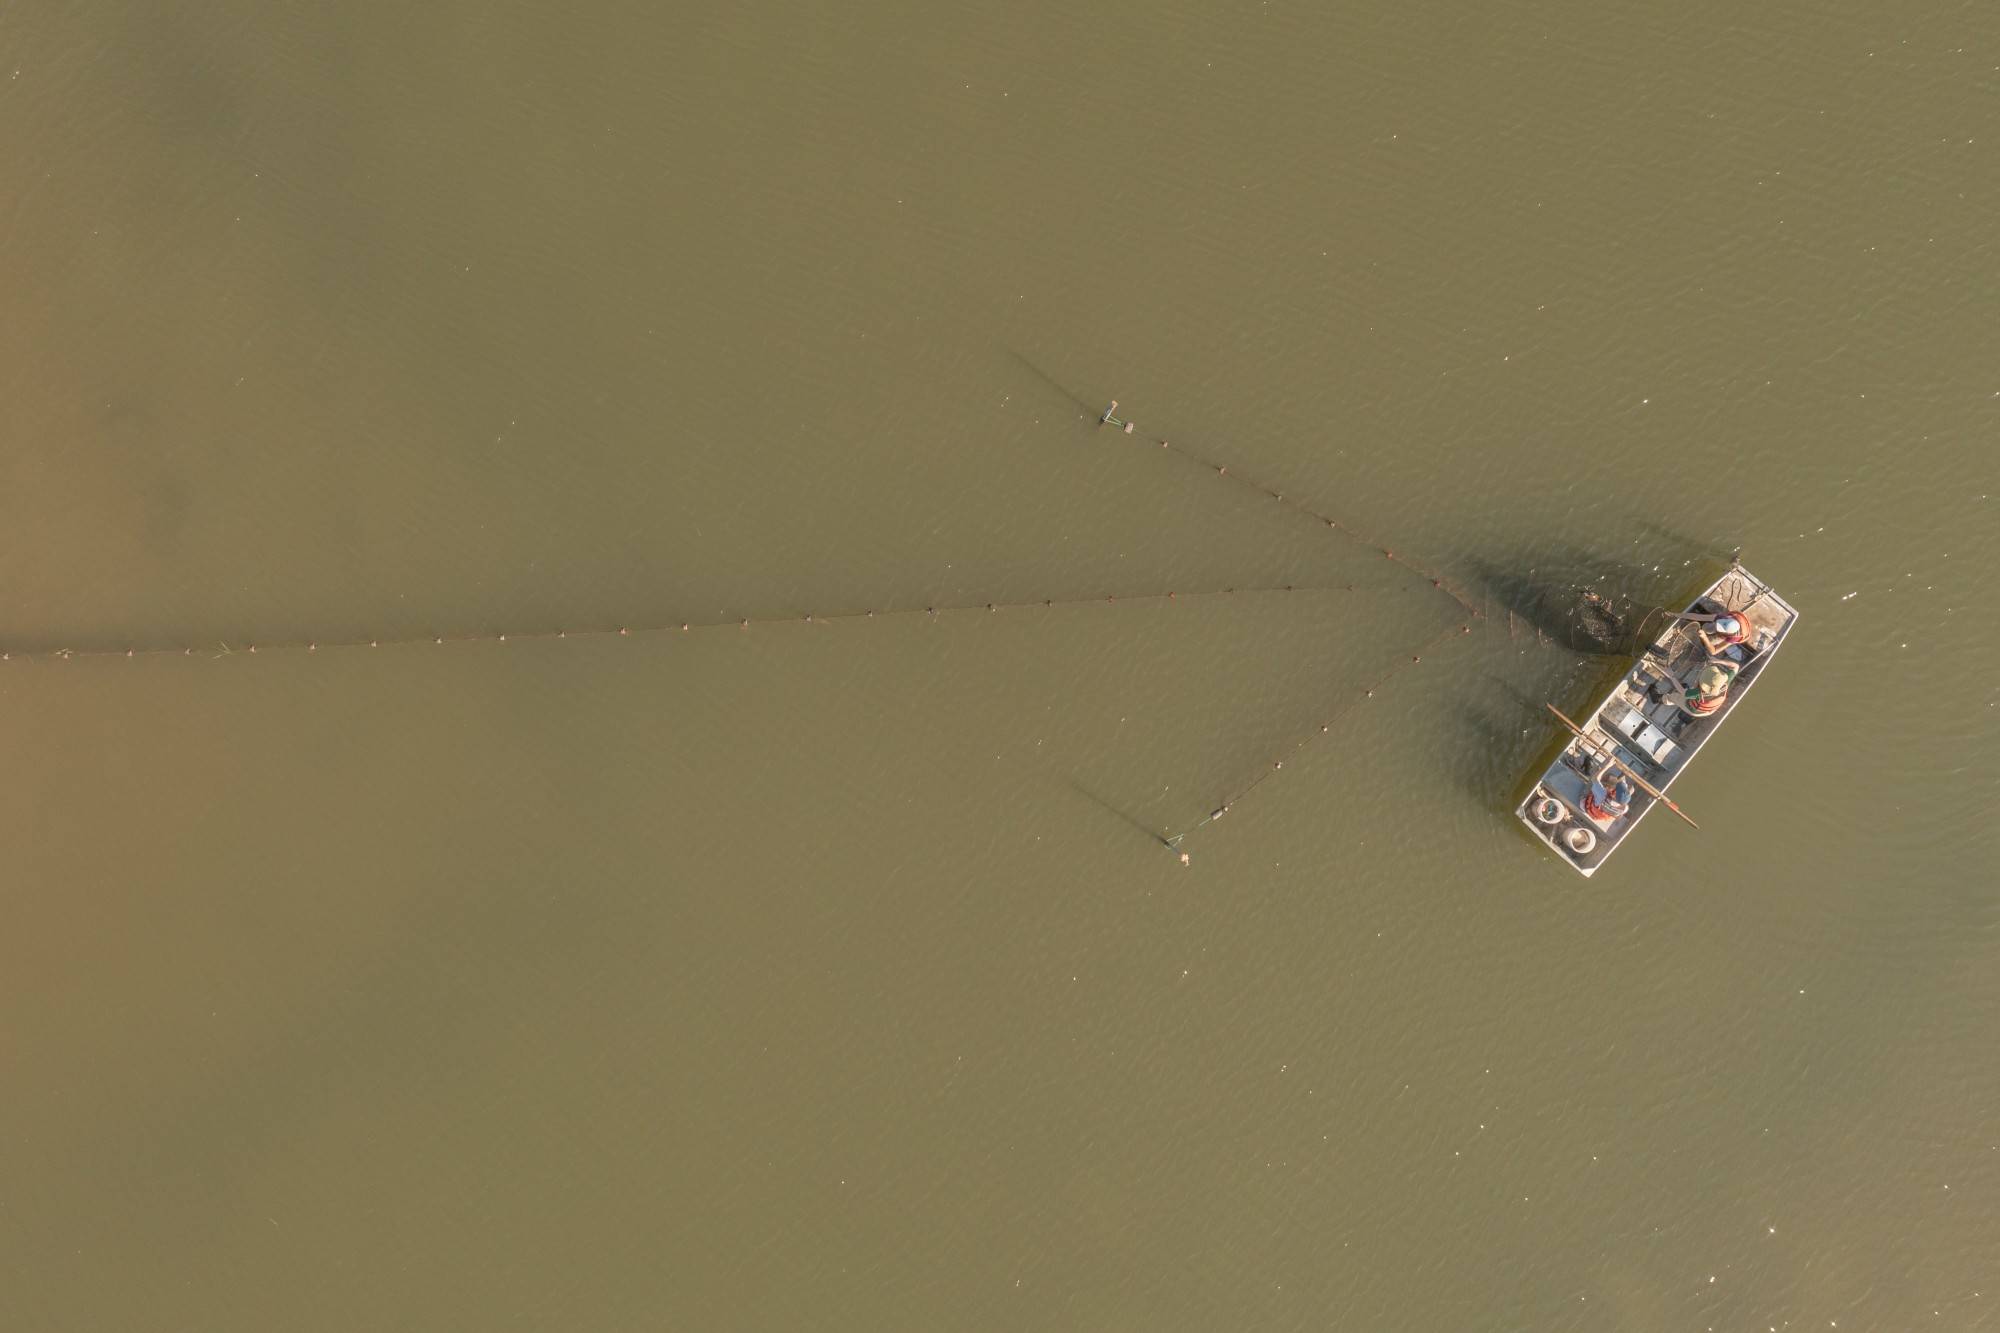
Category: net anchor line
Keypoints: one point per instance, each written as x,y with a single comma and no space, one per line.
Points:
223,648
1110,417
1276,765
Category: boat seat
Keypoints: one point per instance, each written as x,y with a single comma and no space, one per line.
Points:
1635,731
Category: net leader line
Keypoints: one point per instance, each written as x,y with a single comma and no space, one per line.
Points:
1111,418
226,648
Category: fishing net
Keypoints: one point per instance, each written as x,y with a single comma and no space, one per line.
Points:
1164,704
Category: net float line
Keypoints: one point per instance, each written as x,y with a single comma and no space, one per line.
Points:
1275,766
1436,580
225,649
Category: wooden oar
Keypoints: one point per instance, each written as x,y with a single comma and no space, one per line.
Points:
1648,787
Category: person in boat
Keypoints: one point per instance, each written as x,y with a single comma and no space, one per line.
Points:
1608,803
1729,631
1709,689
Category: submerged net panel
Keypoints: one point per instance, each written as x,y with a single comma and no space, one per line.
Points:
1171,712
1356,663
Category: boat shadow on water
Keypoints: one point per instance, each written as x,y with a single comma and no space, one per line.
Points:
1575,619
1500,737
1585,602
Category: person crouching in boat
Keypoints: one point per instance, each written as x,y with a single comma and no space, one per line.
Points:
1730,630
1608,803
1709,689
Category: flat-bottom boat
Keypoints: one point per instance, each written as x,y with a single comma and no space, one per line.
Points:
1632,746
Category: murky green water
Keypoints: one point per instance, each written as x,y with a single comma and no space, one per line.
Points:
829,975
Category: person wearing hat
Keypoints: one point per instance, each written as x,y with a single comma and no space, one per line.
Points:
1729,629
1607,803
1709,689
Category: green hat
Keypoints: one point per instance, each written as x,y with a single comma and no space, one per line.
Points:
1713,679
